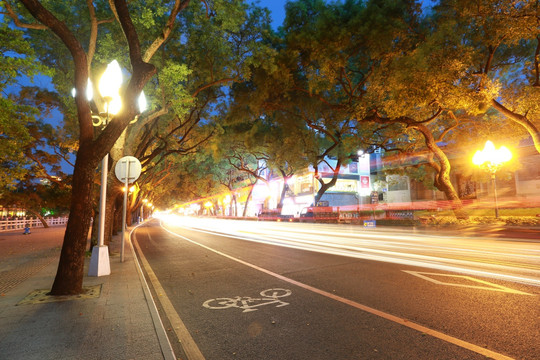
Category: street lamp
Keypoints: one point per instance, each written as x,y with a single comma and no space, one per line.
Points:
131,189
109,87
492,159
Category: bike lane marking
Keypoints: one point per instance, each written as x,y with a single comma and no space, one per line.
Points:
226,303
382,314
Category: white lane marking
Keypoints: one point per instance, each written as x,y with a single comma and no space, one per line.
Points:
488,285
164,343
188,344
247,303
398,320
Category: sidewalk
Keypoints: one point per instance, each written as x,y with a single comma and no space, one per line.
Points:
120,323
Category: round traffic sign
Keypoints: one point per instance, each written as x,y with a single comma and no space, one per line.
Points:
128,168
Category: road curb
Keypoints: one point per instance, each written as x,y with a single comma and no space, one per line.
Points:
164,343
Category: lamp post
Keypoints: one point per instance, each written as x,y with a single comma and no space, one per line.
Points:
492,159
109,86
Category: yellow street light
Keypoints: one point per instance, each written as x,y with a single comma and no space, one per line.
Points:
142,102
109,87
492,159
111,80
131,189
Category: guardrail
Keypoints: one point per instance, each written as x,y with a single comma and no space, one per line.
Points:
16,224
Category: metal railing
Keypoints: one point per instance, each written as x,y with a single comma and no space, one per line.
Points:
16,224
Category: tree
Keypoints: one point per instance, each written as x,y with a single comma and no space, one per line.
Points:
18,61
195,67
39,198
503,69
295,100
379,66
93,148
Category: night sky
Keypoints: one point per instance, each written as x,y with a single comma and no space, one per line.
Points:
277,9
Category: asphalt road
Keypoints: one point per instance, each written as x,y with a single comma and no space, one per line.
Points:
244,293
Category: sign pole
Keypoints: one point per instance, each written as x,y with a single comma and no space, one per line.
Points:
124,213
126,174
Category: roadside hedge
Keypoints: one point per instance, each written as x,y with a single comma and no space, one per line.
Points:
481,220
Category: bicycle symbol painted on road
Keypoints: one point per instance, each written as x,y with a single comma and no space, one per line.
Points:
269,296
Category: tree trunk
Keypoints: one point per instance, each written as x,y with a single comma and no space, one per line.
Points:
247,201
70,273
109,213
328,185
444,184
40,218
522,120
283,190
442,179
116,218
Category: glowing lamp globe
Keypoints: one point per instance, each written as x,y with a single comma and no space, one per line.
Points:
111,80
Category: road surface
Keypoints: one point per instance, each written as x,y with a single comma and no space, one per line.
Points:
261,290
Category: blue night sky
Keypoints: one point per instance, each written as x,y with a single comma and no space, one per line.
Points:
277,10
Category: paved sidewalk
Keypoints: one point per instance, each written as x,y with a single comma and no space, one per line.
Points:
121,323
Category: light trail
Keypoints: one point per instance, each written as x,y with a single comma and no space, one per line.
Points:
506,260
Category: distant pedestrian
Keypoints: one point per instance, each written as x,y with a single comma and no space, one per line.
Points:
26,229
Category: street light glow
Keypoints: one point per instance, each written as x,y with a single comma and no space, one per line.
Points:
111,80
142,102
89,91
492,157
114,106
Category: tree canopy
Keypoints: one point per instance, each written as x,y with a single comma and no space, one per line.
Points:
229,97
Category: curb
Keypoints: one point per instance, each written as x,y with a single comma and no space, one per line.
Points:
164,343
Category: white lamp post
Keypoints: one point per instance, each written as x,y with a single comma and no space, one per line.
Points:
492,159
109,86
